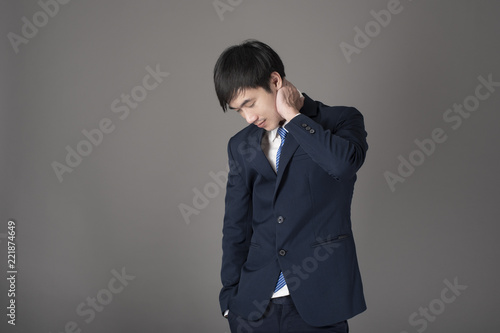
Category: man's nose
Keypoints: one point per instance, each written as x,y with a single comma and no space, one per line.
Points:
249,116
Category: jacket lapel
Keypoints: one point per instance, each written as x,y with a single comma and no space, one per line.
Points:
309,109
287,151
260,162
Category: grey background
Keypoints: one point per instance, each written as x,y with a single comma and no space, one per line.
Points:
120,207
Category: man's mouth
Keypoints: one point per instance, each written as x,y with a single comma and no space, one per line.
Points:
261,124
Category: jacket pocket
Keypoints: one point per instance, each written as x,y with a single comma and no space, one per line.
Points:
257,257
321,241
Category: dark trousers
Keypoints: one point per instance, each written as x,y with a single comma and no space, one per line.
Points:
281,316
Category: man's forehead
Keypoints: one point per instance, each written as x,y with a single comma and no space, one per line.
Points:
241,96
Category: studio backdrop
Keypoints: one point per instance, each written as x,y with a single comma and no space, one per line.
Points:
114,160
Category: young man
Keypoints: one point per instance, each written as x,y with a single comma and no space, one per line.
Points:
289,260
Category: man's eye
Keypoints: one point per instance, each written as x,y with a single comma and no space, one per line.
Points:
250,106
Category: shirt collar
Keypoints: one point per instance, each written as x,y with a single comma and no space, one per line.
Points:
273,134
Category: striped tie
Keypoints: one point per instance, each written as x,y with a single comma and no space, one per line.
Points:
281,282
281,131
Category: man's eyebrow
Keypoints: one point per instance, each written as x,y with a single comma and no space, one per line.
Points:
245,102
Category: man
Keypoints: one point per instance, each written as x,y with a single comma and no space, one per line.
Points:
289,260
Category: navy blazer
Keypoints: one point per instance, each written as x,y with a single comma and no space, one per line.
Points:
296,221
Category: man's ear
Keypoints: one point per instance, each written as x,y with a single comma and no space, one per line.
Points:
276,81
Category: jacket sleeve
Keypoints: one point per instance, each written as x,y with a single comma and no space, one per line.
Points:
237,231
338,144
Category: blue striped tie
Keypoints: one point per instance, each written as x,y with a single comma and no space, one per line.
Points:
281,282
281,131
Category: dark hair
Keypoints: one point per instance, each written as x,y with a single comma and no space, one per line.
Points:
247,65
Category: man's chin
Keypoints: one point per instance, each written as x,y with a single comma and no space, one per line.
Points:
269,128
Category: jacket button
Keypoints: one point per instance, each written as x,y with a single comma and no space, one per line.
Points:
282,252
281,219
304,125
312,131
308,128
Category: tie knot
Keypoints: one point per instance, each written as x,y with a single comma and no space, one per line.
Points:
282,132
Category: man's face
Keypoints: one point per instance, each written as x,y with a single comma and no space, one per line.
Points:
258,107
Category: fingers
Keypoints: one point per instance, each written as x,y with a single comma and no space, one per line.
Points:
289,84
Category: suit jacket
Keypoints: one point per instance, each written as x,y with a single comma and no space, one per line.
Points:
296,221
